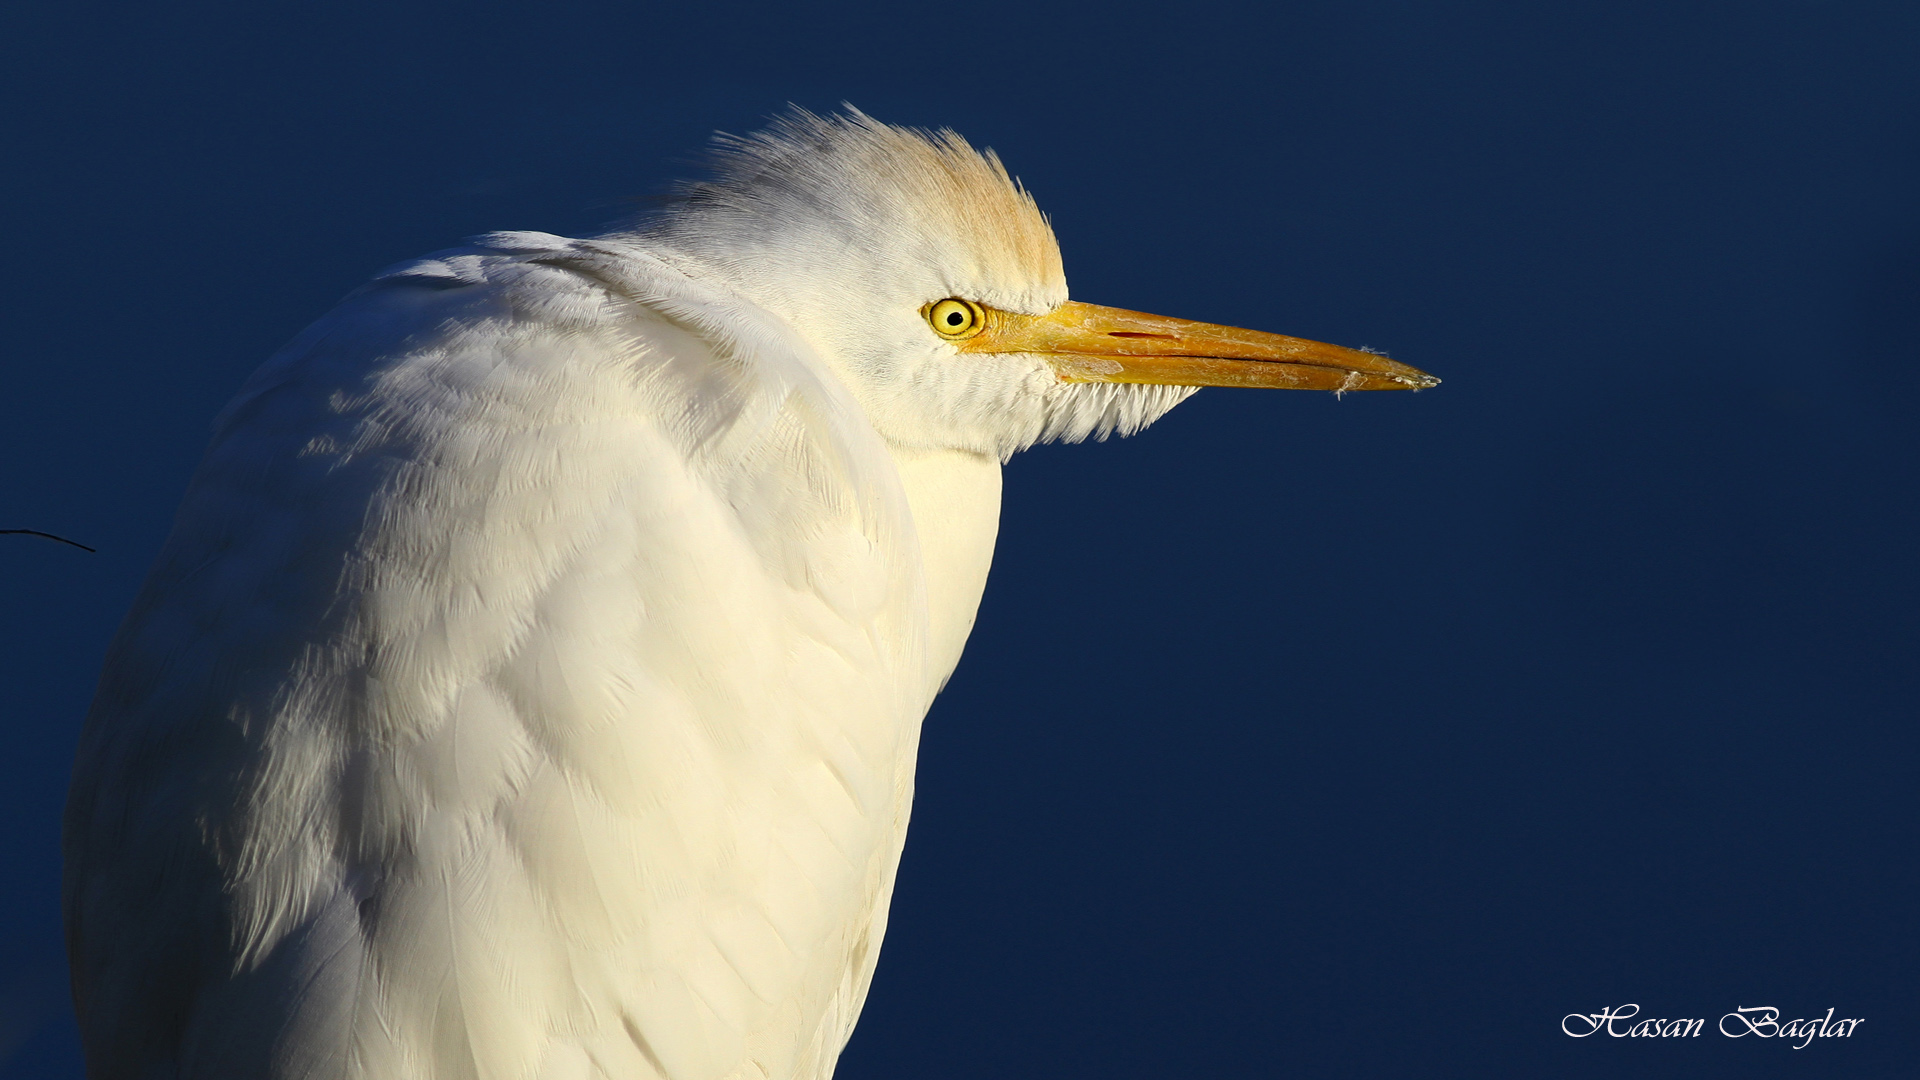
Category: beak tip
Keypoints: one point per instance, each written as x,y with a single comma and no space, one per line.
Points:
1414,379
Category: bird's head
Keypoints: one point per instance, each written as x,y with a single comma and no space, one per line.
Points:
930,280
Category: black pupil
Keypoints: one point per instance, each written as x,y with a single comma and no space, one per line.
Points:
954,318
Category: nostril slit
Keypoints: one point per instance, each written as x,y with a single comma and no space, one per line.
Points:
1129,333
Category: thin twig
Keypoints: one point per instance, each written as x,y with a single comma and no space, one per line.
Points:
50,536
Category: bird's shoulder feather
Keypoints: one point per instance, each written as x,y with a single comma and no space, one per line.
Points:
529,687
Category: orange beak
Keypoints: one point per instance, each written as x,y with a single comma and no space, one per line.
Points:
1088,343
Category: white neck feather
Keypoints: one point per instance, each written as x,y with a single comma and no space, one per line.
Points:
955,496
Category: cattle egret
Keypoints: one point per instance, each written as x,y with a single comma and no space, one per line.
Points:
531,684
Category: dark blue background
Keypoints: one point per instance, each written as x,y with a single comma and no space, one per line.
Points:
1299,737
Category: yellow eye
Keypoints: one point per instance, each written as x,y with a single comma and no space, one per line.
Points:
954,318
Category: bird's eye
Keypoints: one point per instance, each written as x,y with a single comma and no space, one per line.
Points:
954,318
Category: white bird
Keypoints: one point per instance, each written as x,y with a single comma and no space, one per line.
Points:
531,684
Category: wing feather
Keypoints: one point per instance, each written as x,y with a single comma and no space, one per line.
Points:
529,688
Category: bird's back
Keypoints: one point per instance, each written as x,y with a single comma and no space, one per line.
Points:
529,688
